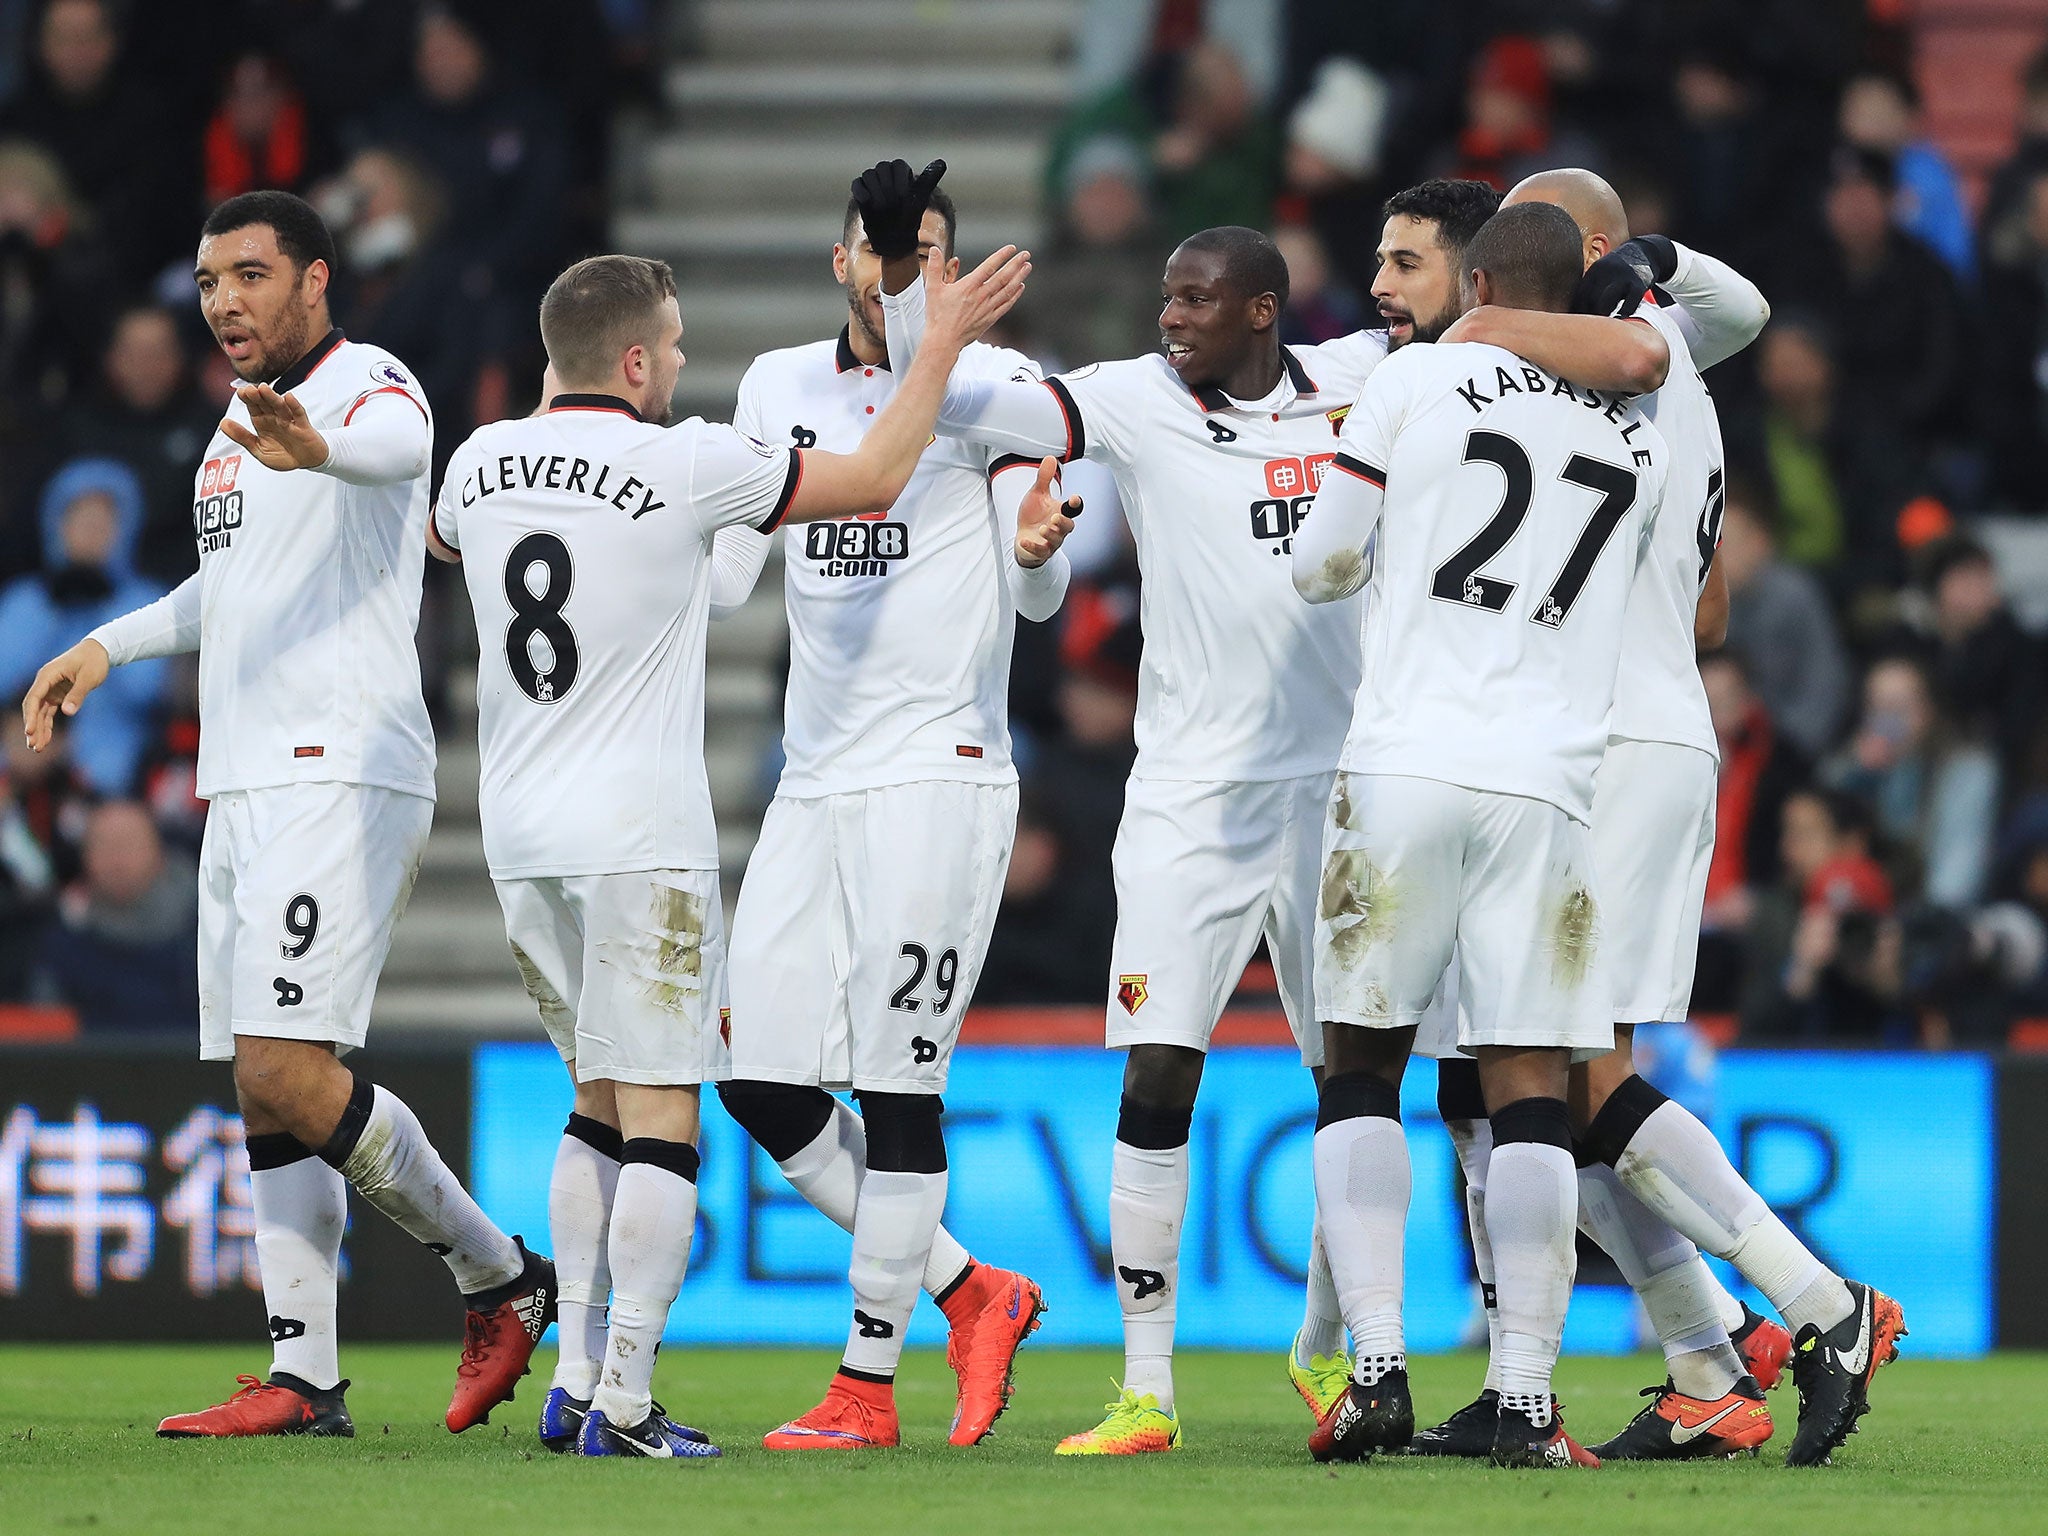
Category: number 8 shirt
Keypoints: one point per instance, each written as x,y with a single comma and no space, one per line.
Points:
585,535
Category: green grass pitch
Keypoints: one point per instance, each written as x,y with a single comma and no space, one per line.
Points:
1954,1447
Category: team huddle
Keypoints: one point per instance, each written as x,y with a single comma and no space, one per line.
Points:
1417,708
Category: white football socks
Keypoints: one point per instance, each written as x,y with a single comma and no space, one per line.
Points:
1674,1165
1473,1140
1532,1218
580,1195
1666,1271
1322,1318
1148,1201
828,1173
892,1237
398,1171
301,1211
1362,1181
654,1218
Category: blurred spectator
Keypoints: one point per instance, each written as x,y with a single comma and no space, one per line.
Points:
1759,769
1780,624
2007,202
1319,306
1509,132
1825,957
343,54
259,136
55,278
2015,355
1836,479
1932,792
1099,298
1881,111
2014,929
398,268
1899,324
1717,140
150,416
497,150
1336,133
1988,672
92,513
50,796
1210,156
106,130
122,953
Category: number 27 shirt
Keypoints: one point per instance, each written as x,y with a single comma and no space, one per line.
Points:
585,535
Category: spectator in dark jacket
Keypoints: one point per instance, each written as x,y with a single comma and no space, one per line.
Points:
122,952
150,415
106,129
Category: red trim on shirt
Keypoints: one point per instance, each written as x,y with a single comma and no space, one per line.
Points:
790,483
388,389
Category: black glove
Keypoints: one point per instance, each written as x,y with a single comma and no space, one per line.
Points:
1615,284
892,204
1663,255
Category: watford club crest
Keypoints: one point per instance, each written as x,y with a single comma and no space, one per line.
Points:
1337,420
1130,991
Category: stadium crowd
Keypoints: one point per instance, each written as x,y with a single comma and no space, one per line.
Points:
1882,864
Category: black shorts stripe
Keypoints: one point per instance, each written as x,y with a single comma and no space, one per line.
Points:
790,482
1077,436
1363,470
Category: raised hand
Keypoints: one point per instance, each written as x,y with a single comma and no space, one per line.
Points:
279,432
892,204
1044,521
957,313
1615,284
60,685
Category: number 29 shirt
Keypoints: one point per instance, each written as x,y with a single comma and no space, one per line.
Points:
585,535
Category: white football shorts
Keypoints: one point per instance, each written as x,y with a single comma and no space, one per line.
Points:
300,887
1203,869
1417,873
628,971
1653,838
860,932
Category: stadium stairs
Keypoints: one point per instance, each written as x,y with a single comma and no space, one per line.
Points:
770,107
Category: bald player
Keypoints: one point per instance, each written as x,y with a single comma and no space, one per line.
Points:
1661,1184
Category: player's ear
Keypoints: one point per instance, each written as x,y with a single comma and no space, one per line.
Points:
636,361
839,258
1265,310
314,280
1480,283
952,268
1596,247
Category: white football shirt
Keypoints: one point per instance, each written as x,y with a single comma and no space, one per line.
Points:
1658,695
1517,508
585,535
1240,680
307,596
900,625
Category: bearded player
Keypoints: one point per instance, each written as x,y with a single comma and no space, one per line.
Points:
315,752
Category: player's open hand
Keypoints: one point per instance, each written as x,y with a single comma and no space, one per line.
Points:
60,685
279,433
1043,520
956,313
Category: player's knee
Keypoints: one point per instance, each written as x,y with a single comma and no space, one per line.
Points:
1632,1102
1165,1077
1542,1120
1155,1127
1357,1096
1458,1094
904,1134
1355,1048
783,1118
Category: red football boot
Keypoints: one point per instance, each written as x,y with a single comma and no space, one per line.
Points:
500,1330
1765,1346
991,1314
856,1415
284,1405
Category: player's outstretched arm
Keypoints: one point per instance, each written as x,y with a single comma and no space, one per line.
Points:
1627,357
61,685
1720,310
386,440
873,476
